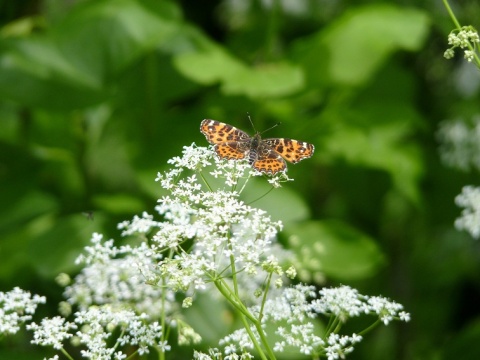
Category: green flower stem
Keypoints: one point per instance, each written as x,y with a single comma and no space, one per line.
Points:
267,286
452,15
205,181
233,299
459,27
334,325
370,328
259,328
245,183
64,352
132,355
244,315
254,340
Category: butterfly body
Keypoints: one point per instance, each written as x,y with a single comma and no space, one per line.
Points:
264,155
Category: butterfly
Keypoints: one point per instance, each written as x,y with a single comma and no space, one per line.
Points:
264,155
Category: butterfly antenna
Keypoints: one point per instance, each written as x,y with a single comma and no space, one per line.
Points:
253,126
270,128
251,122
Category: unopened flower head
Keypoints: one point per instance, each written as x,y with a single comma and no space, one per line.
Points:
466,38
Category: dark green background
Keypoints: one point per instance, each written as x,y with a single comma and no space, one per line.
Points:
95,96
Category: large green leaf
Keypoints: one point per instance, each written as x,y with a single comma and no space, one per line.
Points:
335,249
357,44
210,64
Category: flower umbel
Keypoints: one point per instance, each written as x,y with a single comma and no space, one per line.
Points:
467,39
17,307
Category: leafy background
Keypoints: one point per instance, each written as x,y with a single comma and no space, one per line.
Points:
95,96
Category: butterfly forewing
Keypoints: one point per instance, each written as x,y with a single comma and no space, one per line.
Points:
217,132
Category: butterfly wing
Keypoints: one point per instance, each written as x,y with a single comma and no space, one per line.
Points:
230,142
291,150
217,132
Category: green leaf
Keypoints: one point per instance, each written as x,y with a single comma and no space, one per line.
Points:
80,56
357,44
259,194
211,64
54,244
334,249
377,134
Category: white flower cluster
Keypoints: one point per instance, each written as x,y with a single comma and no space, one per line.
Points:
467,37
17,307
97,324
345,302
115,276
460,143
291,315
219,223
469,221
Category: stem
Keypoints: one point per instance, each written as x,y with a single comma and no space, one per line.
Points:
251,202
132,355
64,352
244,315
245,183
452,15
370,328
235,301
258,326
332,326
205,181
267,286
252,337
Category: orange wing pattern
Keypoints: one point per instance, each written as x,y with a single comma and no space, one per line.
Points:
230,142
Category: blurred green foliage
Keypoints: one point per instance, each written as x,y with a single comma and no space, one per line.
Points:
96,95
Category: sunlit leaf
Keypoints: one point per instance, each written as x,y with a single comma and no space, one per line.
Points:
334,249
